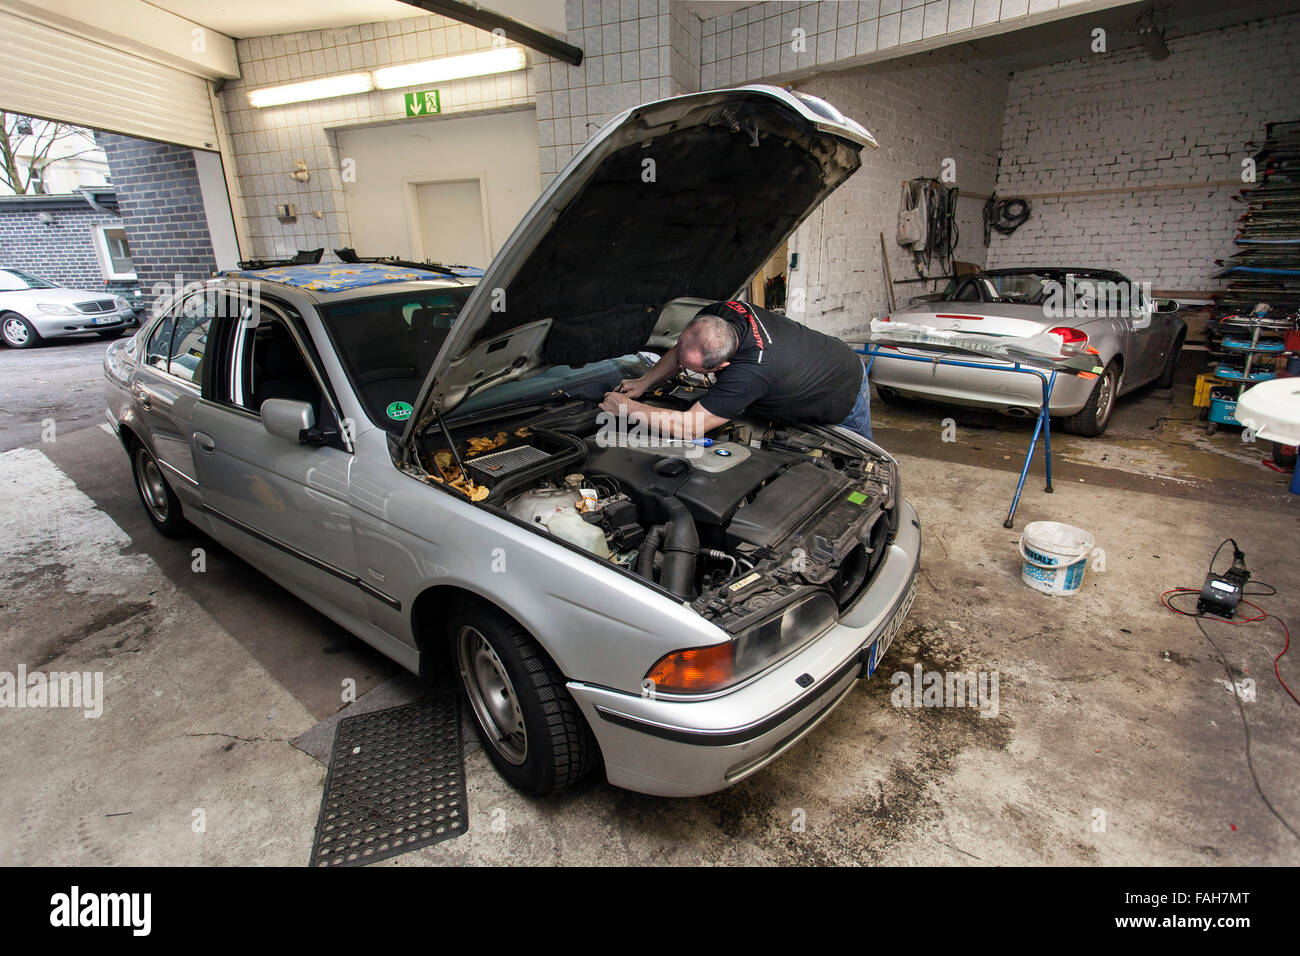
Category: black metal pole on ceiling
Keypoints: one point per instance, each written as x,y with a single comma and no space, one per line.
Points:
476,16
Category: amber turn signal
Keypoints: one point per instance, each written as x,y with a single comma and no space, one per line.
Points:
694,670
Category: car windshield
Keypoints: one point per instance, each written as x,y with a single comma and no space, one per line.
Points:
387,344
14,280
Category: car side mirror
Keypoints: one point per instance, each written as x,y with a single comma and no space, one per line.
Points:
1166,305
287,419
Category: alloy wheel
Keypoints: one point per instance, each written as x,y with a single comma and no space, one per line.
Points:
15,332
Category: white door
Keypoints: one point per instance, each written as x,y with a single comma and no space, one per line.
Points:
451,222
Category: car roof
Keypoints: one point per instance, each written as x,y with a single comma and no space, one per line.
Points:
336,282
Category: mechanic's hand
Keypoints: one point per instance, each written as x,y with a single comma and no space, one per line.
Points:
615,403
632,387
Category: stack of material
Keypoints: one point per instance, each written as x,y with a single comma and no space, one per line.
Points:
1262,297
1266,267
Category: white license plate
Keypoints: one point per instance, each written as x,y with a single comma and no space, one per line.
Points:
882,643
107,319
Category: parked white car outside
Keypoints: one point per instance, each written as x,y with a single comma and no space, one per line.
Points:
32,309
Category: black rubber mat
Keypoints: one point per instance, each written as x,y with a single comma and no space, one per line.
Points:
396,783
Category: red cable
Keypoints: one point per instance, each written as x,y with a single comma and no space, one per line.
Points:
1263,615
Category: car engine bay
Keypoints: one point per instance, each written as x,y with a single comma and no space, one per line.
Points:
743,529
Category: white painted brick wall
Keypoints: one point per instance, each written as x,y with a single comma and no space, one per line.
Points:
1115,121
921,111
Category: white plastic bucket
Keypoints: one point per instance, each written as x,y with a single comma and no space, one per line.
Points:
1054,556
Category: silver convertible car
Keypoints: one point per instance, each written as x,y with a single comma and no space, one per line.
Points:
423,458
1136,340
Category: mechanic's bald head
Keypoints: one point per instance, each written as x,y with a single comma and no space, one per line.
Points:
707,343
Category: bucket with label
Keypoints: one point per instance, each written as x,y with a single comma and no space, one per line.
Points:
1054,556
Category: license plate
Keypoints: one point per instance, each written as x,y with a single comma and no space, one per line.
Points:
877,650
107,319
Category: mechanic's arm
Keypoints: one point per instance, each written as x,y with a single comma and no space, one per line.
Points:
695,422
664,369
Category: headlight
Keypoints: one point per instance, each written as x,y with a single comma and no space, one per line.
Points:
700,670
55,308
121,303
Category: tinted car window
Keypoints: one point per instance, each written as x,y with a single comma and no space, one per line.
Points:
387,345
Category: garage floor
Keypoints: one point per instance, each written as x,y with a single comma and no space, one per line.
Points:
1106,701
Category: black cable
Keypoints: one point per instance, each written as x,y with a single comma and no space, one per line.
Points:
1236,695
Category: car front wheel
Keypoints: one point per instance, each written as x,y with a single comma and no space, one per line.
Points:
17,332
532,729
160,502
1091,420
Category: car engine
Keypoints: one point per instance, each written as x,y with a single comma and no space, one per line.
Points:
756,521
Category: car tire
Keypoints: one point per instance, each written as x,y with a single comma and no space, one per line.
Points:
1091,420
1166,379
887,397
159,501
532,730
17,332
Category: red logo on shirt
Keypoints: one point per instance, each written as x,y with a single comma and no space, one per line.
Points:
753,325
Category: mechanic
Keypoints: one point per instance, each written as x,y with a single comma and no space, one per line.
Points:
762,362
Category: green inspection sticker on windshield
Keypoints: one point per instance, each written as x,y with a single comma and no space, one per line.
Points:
399,411
857,497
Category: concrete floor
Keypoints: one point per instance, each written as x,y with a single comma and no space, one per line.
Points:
1106,701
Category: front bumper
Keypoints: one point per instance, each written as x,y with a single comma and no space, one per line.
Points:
53,326
976,387
686,748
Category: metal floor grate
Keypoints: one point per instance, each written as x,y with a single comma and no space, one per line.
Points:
396,783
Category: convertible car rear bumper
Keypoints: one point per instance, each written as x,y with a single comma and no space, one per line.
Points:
1008,392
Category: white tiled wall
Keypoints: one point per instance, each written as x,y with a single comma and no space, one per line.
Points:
1121,120
778,39
634,51
267,142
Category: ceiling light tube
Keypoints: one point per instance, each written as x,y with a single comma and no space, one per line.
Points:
344,85
482,63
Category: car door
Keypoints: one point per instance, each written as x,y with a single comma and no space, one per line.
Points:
167,382
1147,338
282,505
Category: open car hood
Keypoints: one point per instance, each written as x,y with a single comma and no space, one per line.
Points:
683,197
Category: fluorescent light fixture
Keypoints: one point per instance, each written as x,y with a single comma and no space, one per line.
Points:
323,88
483,63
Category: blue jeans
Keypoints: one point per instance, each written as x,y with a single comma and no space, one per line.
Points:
859,419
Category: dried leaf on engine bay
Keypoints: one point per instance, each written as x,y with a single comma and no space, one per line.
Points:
481,444
523,432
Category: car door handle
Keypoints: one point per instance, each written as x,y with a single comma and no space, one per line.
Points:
204,443
143,396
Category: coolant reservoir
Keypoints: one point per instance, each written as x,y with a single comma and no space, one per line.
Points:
554,510
569,526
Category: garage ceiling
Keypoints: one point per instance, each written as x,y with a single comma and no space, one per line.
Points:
1069,39
257,18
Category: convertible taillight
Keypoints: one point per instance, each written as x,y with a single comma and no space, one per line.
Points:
1073,341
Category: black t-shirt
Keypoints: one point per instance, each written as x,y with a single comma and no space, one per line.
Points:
783,370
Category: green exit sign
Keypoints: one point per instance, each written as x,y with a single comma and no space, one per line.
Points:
423,103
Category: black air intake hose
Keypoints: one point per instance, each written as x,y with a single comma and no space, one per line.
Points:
681,549
645,557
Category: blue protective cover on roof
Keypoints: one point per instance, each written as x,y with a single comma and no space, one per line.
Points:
338,276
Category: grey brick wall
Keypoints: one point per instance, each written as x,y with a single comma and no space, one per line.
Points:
161,204
1118,121
62,251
